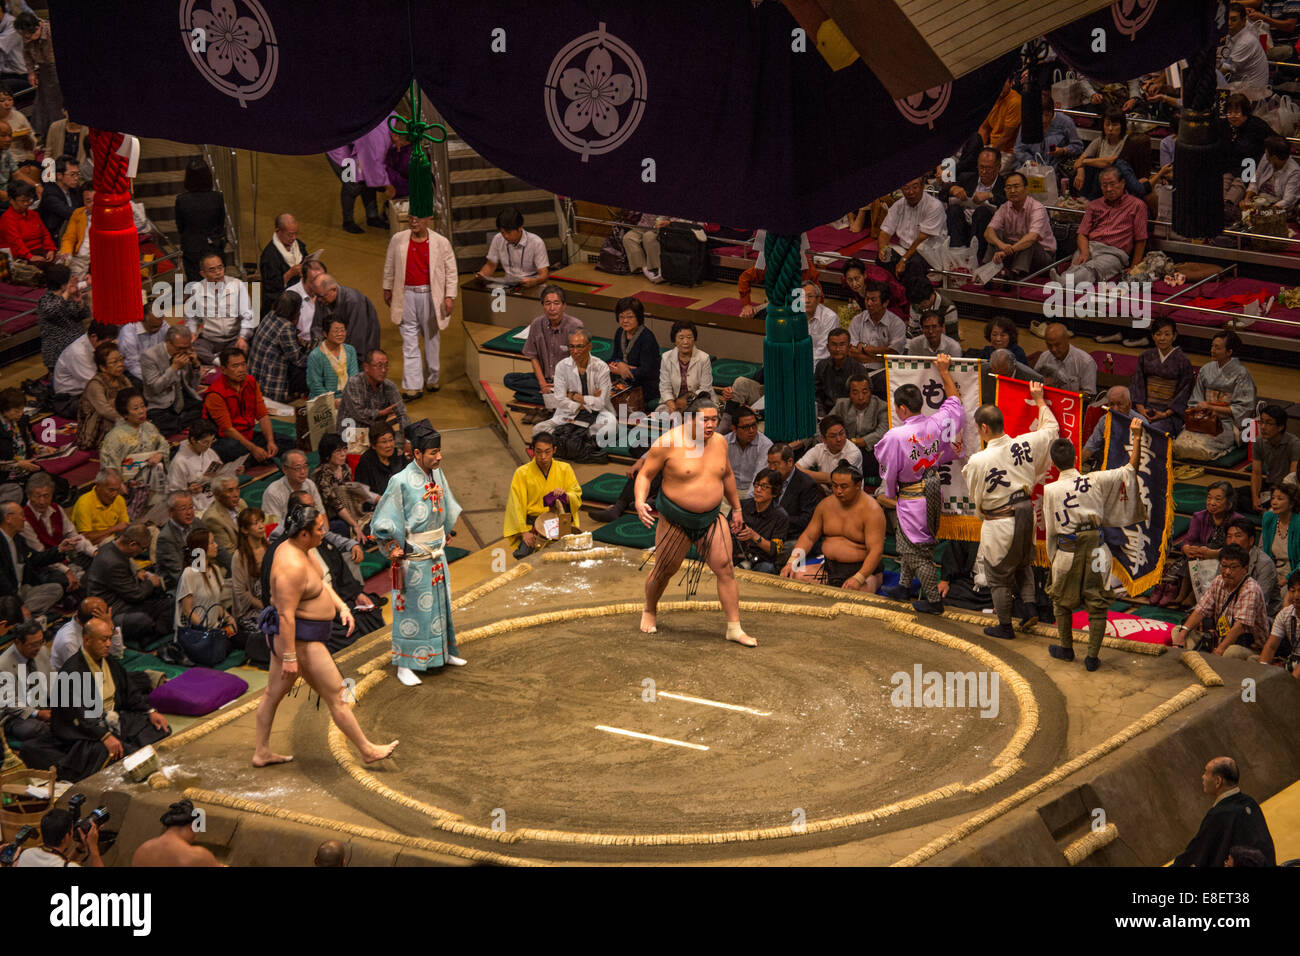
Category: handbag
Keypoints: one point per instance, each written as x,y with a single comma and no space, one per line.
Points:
632,398
1041,180
1204,421
204,645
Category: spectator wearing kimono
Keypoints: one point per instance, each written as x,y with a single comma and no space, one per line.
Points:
1226,388
1162,384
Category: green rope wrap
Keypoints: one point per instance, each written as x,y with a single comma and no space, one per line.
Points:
787,350
420,173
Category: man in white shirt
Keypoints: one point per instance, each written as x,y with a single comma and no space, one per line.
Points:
876,332
820,460
67,640
522,253
932,341
1243,61
312,270
581,388
138,336
225,314
275,500
76,366
1278,177
821,319
747,449
191,463
916,217
1067,366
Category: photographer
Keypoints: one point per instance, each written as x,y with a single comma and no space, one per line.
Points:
171,373
760,544
63,844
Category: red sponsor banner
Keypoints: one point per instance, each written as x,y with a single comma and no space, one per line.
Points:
1019,412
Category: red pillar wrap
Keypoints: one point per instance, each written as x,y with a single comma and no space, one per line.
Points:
114,243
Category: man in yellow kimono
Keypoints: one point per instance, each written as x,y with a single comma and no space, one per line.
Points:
534,489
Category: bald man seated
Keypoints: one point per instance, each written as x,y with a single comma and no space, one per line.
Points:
1066,366
1119,401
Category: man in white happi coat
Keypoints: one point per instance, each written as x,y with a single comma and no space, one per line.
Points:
581,390
1001,479
1075,508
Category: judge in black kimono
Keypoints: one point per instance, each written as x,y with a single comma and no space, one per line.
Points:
1233,820
281,262
114,717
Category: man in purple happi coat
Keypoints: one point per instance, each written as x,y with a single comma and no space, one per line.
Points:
908,456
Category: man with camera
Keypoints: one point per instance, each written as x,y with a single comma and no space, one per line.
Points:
170,371
64,841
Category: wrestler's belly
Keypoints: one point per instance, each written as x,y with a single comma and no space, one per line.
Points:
841,548
319,608
694,492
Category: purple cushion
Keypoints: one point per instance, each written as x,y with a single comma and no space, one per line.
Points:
199,691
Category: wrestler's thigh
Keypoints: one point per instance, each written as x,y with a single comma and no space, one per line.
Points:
719,556
671,547
318,669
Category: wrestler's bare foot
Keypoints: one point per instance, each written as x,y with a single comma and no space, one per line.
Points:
734,633
266,758
648,623
379,753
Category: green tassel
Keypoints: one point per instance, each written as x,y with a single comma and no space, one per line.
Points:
420,173
790,404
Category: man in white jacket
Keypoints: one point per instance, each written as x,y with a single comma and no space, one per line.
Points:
581,390
420,287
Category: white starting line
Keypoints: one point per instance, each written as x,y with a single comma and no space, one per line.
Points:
659,740
713,703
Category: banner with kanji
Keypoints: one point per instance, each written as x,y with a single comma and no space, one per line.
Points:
958,518
1138,550
1019,412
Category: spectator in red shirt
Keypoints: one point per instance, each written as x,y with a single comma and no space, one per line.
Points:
235,403
22,231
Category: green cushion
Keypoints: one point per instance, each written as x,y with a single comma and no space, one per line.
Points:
627,531
1189,499
454,554
605,488
726,371
253,491
372,563
1181,524
134,660
1230,460
1159,613
285,433
891,545
506,342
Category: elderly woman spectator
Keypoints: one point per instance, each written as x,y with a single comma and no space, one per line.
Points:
276,359
61,313
636,352
246,566
333,362
1276,539
382,460
202,587
1225,388
1205,537
97,414
685,371
1162,383
136,448
1001,333
344,498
